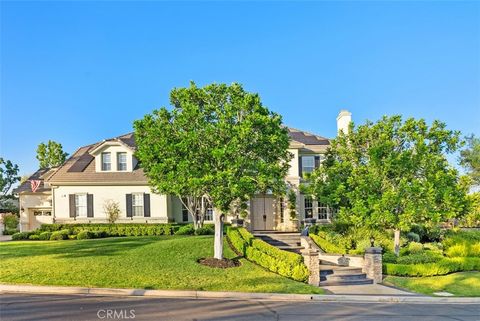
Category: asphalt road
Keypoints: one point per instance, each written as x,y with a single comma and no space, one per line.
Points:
15,307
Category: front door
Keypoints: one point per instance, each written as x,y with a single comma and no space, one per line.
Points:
263,213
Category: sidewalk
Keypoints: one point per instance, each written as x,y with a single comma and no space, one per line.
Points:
366,289
5,238
411,298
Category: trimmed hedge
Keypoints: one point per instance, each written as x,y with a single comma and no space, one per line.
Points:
22,236
442,267
326,246
60,235
281,262
127,229
45,236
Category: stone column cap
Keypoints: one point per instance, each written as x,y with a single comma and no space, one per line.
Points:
373,250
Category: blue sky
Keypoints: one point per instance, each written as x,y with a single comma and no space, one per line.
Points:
79,72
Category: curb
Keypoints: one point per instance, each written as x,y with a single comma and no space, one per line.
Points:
411,299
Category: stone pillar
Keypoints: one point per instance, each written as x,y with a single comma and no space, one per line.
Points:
373,264
310,258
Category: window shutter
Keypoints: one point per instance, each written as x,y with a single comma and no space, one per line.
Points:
317,161
146,205
89,205
300,166
129,205
71,201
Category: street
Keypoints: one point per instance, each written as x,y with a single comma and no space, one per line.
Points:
16,307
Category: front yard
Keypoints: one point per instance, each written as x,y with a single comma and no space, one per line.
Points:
157,262
459,284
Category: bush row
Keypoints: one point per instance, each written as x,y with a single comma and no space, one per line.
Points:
282,262
129,229
442,267
207,229
327,246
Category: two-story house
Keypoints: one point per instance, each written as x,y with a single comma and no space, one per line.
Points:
77,191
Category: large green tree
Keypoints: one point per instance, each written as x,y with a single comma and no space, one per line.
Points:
50,154
470,158
391,174
217,143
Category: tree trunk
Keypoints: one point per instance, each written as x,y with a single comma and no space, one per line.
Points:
218,243
396,242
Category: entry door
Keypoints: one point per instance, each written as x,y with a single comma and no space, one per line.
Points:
263,213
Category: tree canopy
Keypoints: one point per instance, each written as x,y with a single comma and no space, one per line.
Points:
8,177
50,154
391,174
218,143
470,158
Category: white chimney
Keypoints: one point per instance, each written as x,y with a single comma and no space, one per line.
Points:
344,119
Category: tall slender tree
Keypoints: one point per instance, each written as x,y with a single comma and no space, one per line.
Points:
218,143
470,158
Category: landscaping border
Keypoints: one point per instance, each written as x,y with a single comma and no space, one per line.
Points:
410,299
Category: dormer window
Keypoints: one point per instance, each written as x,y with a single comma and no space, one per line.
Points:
106,162
121,161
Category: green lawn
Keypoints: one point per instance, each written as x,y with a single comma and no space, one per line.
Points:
460,284
168,262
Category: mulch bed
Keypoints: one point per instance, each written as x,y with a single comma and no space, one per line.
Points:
222,264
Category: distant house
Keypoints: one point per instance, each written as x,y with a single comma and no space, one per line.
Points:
76,191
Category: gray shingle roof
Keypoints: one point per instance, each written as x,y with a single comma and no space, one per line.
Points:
80,167
40,175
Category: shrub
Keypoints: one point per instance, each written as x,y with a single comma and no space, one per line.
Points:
60,235
205,230
45,236
21,236
10,221
34,237
413,237
72,237
128,229
420,257
281,262
327,246
442,267
10,231
112,209
389,257
237,241
82,235
186,230
414,247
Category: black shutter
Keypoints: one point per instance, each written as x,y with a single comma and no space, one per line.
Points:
300,166
89,205
71,201
129,205
317,161
146,205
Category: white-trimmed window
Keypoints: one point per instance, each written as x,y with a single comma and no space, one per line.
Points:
323,211
121,161
209,213
308,207
137,204
81,205
42,213
308,164
106,161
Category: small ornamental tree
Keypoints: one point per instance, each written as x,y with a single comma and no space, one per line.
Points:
50,154
112,210
391,174
218,143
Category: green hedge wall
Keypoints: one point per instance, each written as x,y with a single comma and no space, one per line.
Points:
442,267
129,229
282,262
326,246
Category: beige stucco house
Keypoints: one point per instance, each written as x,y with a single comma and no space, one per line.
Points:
108,170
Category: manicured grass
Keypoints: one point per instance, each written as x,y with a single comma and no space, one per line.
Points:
460,284
157,262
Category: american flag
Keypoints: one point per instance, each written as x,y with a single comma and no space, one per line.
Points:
34,184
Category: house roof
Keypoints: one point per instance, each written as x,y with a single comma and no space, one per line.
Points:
80,167
39,175
306,137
